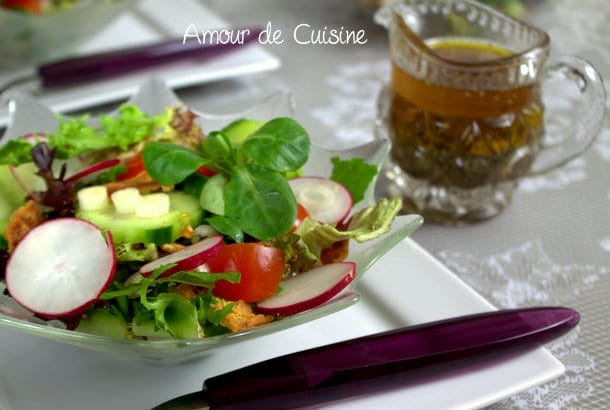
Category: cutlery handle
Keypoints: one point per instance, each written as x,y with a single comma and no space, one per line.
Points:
106,64
380,361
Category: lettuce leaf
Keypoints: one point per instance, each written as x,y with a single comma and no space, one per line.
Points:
16,152
354,174
159,312
74,136
367,224
174,314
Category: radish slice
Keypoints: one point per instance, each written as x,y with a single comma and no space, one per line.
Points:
61,267
189,258
35,137
26,175
97,167
324,200
309,289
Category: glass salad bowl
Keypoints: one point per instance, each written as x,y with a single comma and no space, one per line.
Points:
26,116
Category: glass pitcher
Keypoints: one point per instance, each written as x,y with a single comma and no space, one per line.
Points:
464,109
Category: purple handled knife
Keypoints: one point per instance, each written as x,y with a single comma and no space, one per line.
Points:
107,64
384,360
102,65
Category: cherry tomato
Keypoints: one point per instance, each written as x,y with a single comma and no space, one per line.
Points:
205,171
301,215
261,269
134,166
30,6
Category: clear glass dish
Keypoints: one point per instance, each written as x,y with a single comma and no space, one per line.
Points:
26,115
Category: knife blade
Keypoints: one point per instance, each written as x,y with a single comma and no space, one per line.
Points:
379,361
80,69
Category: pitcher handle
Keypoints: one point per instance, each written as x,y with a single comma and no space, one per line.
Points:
571,122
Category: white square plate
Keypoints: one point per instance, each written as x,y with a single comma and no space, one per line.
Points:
407,286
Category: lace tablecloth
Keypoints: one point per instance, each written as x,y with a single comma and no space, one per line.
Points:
551,246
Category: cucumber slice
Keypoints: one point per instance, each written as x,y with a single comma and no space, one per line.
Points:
238,131
105,323
184,210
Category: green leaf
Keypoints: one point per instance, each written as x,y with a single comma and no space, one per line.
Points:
281,144
367,224
260,201
118,292
226,227
210,318
354,174
203,279
217,147
171,312
193,184
74,136
207,313
169,163
130,126
212,196
175,314
16,152
134,289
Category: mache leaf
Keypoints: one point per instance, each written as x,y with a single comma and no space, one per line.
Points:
281,144
260,201
169,163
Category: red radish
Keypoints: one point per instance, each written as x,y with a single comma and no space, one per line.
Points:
189,258
309,289
97,167
35,137
324,200
61,267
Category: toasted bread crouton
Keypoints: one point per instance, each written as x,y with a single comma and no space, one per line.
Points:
143,181
188,291
22,221
242,317
172,247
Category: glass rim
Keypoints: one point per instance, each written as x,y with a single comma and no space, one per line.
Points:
540,47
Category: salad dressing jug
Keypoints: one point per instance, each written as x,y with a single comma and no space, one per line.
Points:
465,107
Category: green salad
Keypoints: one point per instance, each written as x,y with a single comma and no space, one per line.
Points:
145,227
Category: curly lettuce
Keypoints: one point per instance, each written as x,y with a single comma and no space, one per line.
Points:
367,224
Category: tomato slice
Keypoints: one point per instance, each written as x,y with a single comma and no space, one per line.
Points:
261,269
134,166
301,215
30,6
